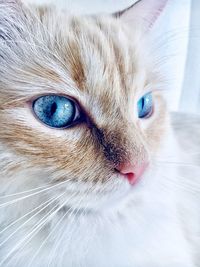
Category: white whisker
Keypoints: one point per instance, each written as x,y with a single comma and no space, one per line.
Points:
24,192
61,238
183,164
182,183
31,195
34,230
55,227
21,226
27,214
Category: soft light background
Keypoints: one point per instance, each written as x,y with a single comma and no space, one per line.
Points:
179,28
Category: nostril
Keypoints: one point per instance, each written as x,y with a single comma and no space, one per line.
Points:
132,172
131,178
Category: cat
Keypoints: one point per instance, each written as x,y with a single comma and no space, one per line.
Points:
83,137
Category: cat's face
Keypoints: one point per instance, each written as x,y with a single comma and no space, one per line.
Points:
105,70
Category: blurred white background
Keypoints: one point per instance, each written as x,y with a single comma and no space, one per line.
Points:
178,28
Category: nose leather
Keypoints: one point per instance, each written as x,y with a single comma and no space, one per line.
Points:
132,172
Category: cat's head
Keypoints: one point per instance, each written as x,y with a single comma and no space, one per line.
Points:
81,105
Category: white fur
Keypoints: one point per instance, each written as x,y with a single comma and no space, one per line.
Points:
142,226
147,230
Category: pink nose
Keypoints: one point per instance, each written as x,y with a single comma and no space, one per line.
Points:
132,172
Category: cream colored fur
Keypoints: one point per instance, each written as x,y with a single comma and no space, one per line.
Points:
62,202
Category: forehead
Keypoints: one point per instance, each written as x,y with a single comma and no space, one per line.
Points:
94,59
104,60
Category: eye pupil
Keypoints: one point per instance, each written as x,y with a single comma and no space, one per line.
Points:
53,108
143,102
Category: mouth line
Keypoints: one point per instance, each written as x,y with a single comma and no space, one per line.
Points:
104,203
101,207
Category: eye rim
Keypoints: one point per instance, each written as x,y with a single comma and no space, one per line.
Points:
79,116
147,116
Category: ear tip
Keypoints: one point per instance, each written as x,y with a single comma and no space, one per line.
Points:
118,14
164,3
142,11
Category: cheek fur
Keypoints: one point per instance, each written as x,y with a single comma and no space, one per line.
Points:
80,158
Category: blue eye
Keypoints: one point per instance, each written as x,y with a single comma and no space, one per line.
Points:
55,111
145,106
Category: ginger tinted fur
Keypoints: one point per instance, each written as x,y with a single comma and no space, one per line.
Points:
91,193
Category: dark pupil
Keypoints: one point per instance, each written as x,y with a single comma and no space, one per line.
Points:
142,102
53,108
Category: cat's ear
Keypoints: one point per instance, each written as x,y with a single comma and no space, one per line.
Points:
143,12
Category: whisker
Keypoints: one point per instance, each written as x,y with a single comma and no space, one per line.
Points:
46,239
55,227
184,164
60,240
34,230
30,195
185,155
21,226
25,215
182,183
24,192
